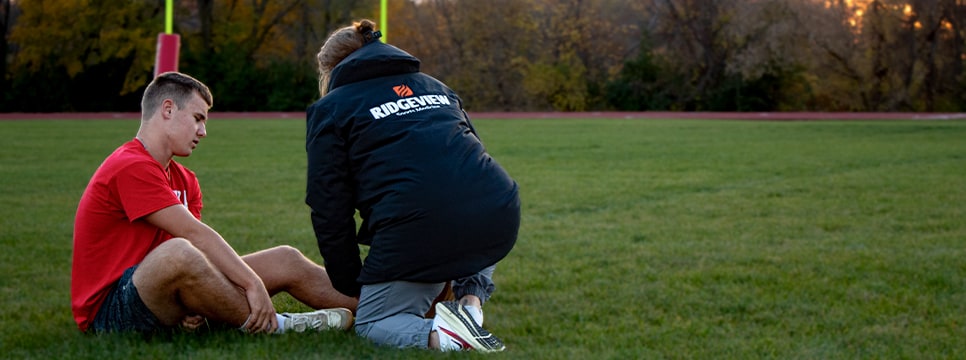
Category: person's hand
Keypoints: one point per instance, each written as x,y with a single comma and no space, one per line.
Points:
262,318
192,322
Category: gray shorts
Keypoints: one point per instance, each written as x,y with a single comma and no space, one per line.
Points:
123,309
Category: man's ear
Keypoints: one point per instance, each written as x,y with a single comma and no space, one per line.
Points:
167,108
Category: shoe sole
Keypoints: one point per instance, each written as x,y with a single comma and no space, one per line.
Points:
470,333
344,314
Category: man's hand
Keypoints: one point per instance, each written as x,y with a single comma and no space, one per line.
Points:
177,221
192,322
262,318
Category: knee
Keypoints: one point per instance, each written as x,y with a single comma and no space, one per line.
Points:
285,254
180,254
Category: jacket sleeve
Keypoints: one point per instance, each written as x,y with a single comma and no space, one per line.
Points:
330,195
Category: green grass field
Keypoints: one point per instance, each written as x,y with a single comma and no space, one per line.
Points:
640,238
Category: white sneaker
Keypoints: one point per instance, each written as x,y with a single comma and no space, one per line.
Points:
325,319
458,330
475,312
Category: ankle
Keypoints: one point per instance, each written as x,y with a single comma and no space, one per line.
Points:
471,300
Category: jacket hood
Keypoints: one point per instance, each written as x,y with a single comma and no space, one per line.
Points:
373,60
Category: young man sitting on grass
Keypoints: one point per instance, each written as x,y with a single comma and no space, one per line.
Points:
144,261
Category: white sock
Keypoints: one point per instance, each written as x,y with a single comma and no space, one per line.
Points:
281,323
476,313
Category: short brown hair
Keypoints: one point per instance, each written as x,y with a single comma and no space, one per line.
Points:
175,86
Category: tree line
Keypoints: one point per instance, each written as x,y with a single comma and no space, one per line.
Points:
506,55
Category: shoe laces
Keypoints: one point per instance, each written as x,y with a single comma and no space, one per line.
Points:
302,323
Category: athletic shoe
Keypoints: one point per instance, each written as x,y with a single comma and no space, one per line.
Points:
325,319
458,331
475,312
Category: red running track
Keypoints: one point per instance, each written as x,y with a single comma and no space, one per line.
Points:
758,116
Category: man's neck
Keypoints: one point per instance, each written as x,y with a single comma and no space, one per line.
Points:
153,150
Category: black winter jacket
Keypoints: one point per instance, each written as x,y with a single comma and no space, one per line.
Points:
396,145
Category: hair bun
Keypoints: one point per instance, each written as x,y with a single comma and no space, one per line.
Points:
365,26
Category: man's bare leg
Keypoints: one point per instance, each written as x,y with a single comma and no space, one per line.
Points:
285,268
176,280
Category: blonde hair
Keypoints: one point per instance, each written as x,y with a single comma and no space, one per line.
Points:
338,46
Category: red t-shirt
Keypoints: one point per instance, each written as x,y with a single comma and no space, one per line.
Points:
110,233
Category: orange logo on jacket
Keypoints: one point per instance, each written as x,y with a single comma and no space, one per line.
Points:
402,90
408,103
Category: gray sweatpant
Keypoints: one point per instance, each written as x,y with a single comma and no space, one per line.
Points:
391,313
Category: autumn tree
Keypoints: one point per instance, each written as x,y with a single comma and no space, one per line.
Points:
232,40
473,46
569,55
93,51
887,55
586,43
933,32
5,19
260,54
255,54
643,82
521,54
318,19
728,54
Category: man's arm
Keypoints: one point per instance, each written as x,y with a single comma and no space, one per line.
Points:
177,221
